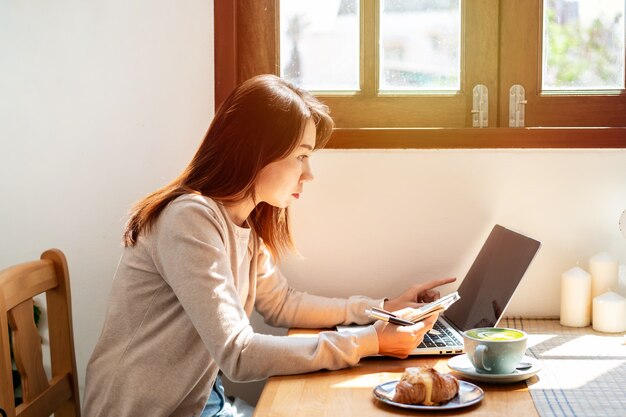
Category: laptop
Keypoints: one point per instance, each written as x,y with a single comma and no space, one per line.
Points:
485,292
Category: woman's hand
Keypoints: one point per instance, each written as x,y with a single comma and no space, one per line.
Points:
399,341
416,295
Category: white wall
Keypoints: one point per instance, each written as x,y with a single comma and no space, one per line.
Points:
377,221
101,102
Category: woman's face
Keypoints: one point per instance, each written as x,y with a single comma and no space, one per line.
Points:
281,182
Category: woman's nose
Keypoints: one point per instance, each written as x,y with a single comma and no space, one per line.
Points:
307,173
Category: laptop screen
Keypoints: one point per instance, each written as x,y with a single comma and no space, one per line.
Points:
489,285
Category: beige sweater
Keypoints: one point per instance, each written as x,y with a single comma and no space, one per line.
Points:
179,309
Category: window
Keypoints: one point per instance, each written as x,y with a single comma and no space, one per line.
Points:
524,49
381,96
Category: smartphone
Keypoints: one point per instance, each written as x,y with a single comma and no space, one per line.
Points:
436,306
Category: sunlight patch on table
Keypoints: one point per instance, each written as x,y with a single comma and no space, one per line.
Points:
564,374
588,345
368,380
536,339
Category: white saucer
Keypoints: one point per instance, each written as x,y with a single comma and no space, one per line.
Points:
462,365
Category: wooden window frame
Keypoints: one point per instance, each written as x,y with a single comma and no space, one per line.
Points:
246,45
520,58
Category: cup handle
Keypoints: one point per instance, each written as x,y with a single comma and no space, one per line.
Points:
480,357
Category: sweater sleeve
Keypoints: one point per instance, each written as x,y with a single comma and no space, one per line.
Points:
281,305
191,254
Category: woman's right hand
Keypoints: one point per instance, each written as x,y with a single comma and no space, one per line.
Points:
399,341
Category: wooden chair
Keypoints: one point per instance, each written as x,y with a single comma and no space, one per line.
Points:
41,397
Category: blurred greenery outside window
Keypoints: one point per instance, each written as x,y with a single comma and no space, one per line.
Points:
583,45
419,45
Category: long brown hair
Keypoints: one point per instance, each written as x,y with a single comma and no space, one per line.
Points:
260,122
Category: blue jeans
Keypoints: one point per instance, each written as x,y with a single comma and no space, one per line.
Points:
215,404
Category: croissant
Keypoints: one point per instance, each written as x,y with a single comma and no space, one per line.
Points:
424,385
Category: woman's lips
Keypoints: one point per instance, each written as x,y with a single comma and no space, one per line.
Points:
296,195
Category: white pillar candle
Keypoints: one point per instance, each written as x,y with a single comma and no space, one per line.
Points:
622,280
603,269
575,298
609,313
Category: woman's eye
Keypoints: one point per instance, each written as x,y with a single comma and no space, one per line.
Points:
303,157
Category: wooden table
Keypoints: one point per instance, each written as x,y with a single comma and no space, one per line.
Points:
348,392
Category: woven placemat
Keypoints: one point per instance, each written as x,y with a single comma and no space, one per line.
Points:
583,371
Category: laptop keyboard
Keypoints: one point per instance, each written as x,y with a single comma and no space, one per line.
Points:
443,339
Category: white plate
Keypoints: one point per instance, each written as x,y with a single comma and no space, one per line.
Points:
469,394
462,364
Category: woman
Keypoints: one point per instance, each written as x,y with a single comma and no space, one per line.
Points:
200,255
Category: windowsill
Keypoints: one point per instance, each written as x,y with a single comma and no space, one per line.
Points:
477,138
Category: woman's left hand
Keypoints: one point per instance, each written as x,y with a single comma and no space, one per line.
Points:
417,295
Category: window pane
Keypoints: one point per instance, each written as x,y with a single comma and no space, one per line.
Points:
420,44
583,47
319,44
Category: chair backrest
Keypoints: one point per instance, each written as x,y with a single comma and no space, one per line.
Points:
41,396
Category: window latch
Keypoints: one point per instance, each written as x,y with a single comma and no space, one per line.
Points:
517,106
480,106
